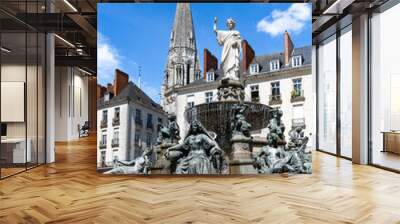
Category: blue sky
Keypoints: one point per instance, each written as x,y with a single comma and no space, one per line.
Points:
133,35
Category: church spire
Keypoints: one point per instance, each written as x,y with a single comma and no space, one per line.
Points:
182,34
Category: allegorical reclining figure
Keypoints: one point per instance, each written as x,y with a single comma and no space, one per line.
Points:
199,153
140,165
276,157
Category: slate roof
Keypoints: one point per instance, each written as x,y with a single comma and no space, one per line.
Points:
264,60
131,93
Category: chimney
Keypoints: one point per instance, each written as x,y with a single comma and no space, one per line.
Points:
101,90
248,55
120,81
288,48
210,62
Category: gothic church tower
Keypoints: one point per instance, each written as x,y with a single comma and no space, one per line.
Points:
182,65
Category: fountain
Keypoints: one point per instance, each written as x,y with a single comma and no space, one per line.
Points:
219,139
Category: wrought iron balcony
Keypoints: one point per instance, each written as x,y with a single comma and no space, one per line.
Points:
102,144
298,122
297,96
103,123
275,99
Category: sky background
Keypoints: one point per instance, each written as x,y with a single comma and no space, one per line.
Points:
132,34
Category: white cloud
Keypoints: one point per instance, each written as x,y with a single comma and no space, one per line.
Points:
108,59
293,19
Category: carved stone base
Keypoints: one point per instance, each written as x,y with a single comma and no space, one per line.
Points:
161,165
230,90
241,159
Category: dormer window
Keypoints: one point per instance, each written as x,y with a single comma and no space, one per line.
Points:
210,76
296,61
274,65
254,69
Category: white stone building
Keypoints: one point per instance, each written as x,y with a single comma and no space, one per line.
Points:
281,79
127,124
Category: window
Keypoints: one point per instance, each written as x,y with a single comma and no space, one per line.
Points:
296,61
298,115
210,76
148,140
137,138
190,101
116,112
297,84
327,95
115,140
274,65
104,116
103,158
149,121
275,89
138,117
255,96
103,140
209,97
254,69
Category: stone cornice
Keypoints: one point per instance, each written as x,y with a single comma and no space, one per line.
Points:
261,77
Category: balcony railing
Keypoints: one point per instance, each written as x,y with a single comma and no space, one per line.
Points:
103,123
102,145
297,96
115,121
115,142
298,122
275,99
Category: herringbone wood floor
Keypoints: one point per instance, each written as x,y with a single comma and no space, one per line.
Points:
70,191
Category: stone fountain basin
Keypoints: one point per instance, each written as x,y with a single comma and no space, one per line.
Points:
216,116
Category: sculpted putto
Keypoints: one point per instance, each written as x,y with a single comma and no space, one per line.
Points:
232,43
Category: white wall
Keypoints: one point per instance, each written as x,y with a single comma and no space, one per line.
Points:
127,149
71,102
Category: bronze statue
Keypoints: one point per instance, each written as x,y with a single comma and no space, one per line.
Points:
239,125
140,165
276,128
170,133
199,153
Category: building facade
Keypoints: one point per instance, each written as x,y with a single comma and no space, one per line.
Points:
127,122
281,80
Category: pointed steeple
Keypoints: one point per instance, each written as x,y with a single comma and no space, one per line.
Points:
183,31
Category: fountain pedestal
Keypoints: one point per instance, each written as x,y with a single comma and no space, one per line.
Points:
161,165
230,90
241,159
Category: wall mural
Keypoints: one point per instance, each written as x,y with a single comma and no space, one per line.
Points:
215,137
